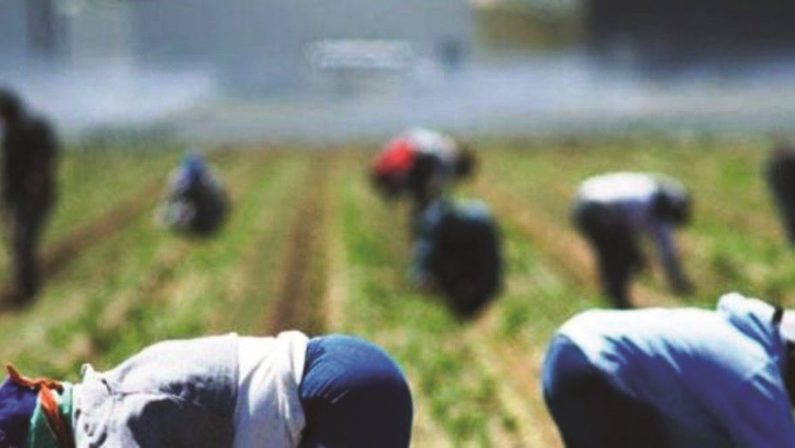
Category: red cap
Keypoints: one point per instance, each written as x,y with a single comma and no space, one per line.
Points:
396,158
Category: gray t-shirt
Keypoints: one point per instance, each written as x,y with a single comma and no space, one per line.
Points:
172,394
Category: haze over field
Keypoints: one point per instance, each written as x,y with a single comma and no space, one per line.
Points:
117,85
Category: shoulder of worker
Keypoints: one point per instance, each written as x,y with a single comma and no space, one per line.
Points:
753,317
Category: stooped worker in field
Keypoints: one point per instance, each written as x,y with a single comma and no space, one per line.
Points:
614,210
457,252
420,164
780,176
674,377
220,391
196,202
29,155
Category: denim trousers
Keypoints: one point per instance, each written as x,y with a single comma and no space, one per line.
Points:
354,396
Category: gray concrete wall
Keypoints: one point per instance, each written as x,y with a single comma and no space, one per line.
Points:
266,39
13,33
98,35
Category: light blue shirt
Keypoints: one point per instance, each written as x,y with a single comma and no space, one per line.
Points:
715,377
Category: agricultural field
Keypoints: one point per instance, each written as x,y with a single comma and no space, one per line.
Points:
309,246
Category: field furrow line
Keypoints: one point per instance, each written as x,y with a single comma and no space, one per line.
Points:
301,283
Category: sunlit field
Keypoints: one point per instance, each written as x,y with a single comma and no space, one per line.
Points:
309,246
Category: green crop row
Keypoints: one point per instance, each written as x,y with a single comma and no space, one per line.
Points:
475,383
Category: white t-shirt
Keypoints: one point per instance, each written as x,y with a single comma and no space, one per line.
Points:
268,413
619,187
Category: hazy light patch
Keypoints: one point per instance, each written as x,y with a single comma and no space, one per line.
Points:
563,93
82,100
558,94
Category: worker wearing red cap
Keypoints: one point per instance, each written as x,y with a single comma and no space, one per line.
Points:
420,164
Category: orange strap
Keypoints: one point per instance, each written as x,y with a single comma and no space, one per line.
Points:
49,404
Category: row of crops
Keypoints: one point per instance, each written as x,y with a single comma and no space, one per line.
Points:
308,245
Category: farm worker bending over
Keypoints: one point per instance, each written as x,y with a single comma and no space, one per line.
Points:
220,391
29,152
457,252
674,377
196,202
420,164
613,210
780,174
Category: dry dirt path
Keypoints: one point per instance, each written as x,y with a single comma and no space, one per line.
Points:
300,287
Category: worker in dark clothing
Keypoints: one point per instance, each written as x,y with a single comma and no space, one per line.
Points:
614,210
420,164
457,252
780,175
197,203
30,148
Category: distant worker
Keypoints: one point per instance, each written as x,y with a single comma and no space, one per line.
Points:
196,202
674,377
420,164
613,210
780,175
287,391
457,252
30,149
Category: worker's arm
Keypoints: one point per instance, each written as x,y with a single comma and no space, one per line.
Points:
662,234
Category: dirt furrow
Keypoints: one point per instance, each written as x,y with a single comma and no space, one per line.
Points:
249,288
301,284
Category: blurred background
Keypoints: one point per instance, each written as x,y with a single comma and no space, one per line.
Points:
248,69
289,101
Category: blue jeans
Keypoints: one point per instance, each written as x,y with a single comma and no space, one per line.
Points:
588,410
354,396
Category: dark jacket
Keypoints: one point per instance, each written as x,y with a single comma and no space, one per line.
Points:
30,148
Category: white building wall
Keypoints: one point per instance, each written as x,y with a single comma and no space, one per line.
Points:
265,40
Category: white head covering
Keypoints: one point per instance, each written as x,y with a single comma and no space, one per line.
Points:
787,324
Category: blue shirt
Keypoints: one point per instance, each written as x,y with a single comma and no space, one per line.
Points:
715,377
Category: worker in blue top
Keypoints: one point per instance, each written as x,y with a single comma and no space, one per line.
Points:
674,377
196,203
